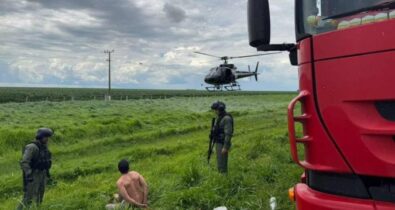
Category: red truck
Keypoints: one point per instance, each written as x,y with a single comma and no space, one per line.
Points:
345,53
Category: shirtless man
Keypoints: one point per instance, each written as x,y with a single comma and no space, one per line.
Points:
132,186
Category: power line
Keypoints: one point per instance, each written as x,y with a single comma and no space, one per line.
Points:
109,73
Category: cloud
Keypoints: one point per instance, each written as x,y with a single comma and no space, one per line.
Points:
62,42
174,13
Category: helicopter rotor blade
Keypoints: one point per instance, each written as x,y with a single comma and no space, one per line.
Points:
246,56
208,55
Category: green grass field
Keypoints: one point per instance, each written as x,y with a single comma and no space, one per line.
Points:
165,140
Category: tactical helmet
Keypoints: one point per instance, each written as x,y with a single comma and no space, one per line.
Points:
220,106
44,133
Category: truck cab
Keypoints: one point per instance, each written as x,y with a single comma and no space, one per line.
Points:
345,53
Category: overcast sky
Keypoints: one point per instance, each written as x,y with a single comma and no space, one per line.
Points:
61,42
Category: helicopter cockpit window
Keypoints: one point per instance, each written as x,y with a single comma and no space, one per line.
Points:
212,71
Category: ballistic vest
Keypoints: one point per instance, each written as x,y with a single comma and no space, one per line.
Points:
219,132
42,161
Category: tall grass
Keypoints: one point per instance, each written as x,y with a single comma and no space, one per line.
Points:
165,141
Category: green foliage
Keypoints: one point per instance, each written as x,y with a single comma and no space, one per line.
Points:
191,176
165,140
68,94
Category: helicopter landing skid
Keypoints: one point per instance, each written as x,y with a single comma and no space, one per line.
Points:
233,87
214,88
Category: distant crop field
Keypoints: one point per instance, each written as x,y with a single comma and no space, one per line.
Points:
165,140
12,94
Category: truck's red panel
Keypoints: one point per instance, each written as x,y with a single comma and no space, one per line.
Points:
304,51
321,146
355,41
346,74
347,90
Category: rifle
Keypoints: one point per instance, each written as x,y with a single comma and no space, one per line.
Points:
211,141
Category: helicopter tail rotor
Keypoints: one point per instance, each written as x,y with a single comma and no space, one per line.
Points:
256,71
249,70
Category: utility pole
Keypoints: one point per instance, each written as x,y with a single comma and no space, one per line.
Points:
109,73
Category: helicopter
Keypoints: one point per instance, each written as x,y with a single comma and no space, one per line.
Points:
225,75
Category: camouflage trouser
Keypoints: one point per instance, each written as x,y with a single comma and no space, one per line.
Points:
222,160
34,191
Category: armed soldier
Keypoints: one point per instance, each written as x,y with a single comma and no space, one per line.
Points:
221,135
36,163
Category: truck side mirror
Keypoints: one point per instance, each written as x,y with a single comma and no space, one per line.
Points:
258,22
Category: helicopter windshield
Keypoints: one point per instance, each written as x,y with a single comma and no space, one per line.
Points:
213,71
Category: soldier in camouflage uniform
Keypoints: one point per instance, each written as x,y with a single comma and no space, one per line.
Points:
36,163
223,132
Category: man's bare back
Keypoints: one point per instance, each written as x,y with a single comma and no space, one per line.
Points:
133,189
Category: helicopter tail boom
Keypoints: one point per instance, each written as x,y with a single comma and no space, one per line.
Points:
249,73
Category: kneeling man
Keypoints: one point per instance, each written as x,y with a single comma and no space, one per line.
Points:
132,187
